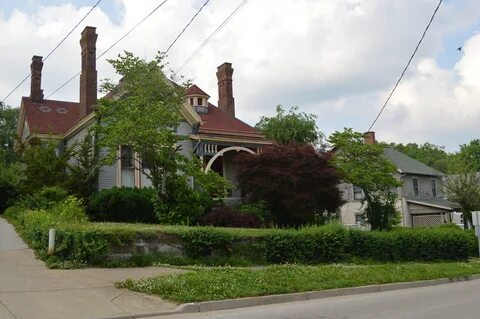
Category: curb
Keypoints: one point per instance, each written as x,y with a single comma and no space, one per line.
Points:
299,296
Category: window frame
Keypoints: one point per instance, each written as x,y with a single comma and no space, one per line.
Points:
433,186
415,186
358,190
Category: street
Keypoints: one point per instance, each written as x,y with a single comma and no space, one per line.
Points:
456,300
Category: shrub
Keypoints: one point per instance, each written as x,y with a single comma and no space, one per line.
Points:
8,194
426,244
122,205
307,245
225,216
204,242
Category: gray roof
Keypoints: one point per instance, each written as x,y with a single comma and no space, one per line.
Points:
435,202
409,165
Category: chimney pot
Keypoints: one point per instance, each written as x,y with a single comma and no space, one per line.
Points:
369,138
225,88
36,92
88,77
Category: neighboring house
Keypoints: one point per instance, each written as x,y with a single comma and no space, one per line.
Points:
212,133
421,201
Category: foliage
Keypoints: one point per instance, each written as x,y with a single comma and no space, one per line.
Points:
143,116
8,126
295,181
465,190
83,173
123,204
229,283
365,166
199,243
42,165
225,216
294,127
469,157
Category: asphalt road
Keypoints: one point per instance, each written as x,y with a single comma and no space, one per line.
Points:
449,301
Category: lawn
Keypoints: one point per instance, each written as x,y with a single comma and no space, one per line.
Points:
227,282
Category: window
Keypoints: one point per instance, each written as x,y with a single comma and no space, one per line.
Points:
126,157
433,184
191,101
357,192
415,186
199,101
359,219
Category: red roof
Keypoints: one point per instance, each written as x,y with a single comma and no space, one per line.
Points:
218,122
195,90
50,116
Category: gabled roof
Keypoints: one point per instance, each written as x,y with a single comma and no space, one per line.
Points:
195,90
406,164
50,116
218,122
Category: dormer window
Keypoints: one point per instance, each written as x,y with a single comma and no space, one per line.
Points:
197,98
191,101
199,101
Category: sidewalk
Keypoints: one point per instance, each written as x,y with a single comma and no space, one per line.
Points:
30,290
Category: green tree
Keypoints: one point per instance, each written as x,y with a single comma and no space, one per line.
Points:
144,116
465,190
291,127
365,166
42,166
468,158
8,126
82,173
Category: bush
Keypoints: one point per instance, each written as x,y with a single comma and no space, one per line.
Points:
122,205
225,216
426,244
8,194
307,245
204,242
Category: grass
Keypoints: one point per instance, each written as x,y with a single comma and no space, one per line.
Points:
228,283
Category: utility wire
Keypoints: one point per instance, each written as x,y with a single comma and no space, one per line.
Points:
111,46
211,36
186,26
54,49
406,67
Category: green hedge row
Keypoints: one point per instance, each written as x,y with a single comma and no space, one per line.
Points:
91,242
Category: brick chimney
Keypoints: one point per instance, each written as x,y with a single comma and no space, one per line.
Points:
225,89
88,77
369,138
36,92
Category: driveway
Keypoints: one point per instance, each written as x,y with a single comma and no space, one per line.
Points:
29,290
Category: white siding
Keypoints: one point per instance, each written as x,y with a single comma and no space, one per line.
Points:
75,141
107,175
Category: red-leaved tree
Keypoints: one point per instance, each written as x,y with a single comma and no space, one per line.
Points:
296,182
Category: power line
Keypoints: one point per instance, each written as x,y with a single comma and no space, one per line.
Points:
54,49
111,46
185,28
211,35
406,67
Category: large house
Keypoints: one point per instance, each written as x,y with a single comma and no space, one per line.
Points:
421,200
212,132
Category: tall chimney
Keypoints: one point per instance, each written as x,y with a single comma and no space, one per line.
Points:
225,89
36,92
369,138
88,78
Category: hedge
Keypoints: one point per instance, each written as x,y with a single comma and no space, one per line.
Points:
91,242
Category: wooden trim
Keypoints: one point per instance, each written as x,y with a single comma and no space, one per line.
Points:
231,140
80,125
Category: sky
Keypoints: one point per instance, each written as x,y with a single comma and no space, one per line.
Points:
337,59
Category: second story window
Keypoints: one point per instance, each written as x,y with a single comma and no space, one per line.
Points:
126,157
357,193
433,184
415,186
191,101
199,101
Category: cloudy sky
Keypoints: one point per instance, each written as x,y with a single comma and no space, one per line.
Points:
337,59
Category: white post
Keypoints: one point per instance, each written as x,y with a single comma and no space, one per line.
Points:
51,241
476,224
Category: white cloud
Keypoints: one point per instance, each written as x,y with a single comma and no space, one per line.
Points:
337,59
